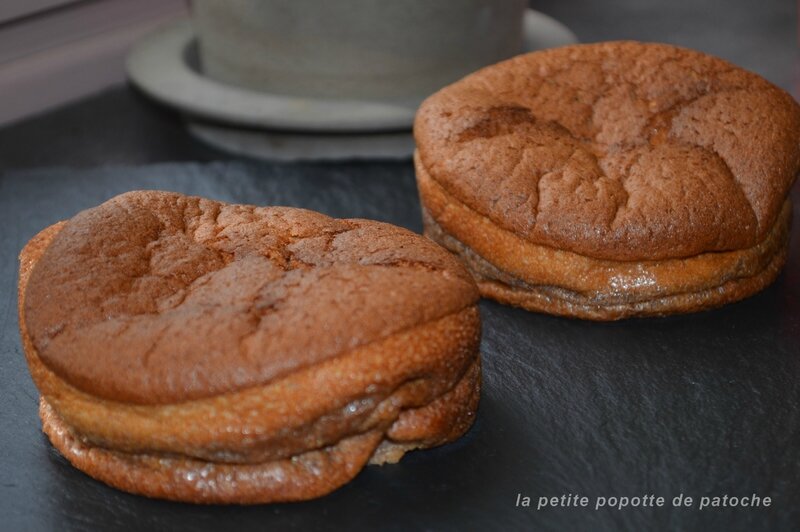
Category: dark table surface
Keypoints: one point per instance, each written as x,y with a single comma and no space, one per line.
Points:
703,405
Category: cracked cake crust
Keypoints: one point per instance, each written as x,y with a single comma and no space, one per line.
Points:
622,153
135,291
110,300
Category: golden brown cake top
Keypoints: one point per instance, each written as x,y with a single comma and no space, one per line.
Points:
155,297
618,150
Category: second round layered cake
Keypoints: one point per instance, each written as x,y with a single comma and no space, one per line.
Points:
611,180
205,352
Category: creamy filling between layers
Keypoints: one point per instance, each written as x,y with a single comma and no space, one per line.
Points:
305,476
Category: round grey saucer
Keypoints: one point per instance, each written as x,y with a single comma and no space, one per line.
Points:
284,127
287,146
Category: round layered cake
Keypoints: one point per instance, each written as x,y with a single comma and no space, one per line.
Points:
199,351
611,180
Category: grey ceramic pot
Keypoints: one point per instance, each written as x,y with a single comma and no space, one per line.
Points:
353,49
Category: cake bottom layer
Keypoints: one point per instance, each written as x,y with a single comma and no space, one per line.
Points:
304,476
500,286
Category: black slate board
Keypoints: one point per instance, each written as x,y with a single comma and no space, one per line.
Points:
705,404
